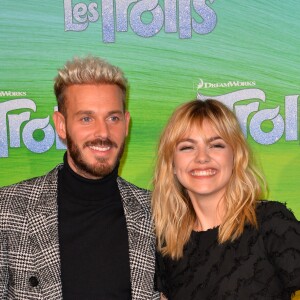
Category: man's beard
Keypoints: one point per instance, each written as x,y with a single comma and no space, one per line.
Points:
100,169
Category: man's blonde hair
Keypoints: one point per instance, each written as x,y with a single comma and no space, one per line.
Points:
87,70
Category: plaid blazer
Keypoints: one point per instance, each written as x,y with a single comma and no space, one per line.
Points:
29,253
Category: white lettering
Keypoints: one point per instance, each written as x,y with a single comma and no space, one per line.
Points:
280,125
193,15
10,126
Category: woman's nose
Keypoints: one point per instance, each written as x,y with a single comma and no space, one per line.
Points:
202,156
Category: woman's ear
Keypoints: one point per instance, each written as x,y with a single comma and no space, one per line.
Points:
60,124
174,170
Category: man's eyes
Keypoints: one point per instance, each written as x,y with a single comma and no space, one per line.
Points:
114,118
86,119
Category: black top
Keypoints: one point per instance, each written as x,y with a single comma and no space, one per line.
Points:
93,238
261,264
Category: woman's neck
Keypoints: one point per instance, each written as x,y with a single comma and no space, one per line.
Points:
209,213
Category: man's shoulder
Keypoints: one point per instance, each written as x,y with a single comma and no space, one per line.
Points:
27,188
124,184
132,193
50,176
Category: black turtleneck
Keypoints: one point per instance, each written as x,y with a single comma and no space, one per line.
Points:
93,238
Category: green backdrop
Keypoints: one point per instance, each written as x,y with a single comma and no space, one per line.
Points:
172,51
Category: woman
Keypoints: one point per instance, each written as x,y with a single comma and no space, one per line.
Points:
216,239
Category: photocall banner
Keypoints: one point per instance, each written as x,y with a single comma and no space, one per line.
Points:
243,53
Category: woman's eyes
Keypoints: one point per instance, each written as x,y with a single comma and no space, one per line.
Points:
183,148
219,145
210,146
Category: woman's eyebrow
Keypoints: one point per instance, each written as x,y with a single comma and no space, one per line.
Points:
213,138
187,140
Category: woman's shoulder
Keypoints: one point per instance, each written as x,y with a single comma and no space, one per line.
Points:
276,217
280,232
268,210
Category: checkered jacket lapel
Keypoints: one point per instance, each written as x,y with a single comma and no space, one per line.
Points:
43,232
136,202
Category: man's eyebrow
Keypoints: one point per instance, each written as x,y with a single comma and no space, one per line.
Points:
85,112
115,112
90,112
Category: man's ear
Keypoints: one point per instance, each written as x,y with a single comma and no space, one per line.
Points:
127,121
60,124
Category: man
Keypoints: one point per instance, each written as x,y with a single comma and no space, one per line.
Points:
80,231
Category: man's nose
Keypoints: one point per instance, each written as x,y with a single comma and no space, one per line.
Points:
101,129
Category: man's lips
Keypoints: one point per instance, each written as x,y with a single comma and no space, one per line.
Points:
101,149
101,145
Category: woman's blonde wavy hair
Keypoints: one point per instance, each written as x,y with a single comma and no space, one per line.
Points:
173,213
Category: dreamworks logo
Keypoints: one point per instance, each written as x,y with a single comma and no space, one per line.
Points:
208,85
12,94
